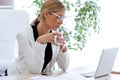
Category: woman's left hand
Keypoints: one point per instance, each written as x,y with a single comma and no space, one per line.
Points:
63,48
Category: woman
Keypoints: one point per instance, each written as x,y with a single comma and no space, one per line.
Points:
38,50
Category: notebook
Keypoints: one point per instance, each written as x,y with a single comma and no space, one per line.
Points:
105,65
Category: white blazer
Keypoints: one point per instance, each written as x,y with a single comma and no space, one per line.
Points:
31,56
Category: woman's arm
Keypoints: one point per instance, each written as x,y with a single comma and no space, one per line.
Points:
33,55
63,60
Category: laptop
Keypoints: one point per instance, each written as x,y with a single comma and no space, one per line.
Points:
105,65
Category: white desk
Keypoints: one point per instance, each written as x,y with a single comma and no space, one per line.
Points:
72,74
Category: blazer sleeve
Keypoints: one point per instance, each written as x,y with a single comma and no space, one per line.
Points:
32,55
63,60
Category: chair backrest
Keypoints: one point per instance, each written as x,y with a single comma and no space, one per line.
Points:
11,22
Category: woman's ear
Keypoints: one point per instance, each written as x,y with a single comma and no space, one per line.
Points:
46,13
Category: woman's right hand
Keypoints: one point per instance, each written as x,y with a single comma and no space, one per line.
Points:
49,37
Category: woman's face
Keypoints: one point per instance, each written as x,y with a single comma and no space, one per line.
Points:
54,20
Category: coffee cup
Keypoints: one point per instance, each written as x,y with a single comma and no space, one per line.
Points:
55,39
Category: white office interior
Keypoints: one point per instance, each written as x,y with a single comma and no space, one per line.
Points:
108,36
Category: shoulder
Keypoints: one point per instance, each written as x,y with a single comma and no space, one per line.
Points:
27,32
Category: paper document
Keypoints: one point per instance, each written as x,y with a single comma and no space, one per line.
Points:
41,77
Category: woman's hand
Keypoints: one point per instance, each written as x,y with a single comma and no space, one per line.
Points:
50,37
63,48
43,39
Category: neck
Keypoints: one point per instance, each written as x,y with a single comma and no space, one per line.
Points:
42,28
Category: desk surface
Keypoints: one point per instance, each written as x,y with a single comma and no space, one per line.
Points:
72,74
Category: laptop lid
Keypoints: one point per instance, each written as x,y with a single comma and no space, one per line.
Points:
106,62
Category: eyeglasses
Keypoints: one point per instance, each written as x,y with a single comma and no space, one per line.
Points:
60,18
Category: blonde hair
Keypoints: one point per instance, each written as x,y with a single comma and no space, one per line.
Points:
49,5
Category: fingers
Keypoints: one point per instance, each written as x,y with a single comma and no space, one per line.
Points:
59,40
63,48
53,37
56,33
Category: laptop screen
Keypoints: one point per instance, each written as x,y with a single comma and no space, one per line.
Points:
106,62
